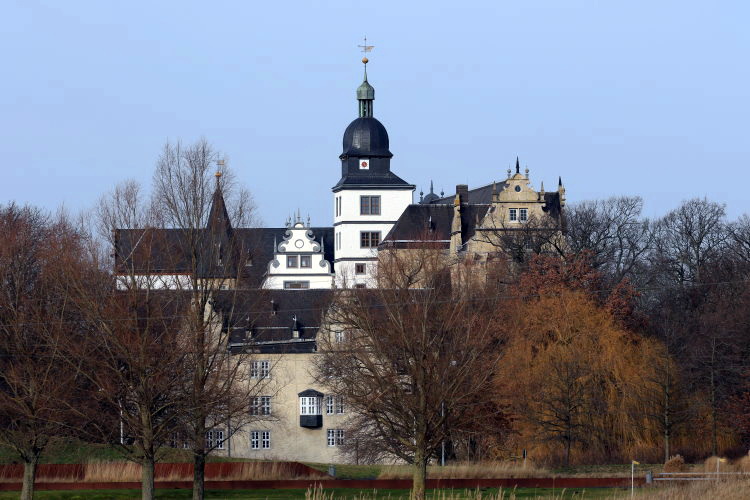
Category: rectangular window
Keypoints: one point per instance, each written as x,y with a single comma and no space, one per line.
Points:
359,268
335,437
296,285
339,405
513,214
215,439
360,285
309,405
523,214
260,439
369,205
266,440
334,405
260,369
339,336
291,261
369,239
305,261
260,405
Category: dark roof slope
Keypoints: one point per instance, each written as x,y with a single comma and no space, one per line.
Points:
432,223
482,195
384,179
167,251
264,320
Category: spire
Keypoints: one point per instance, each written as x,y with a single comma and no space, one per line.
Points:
518,166
431,188
365,95
559,182
218,217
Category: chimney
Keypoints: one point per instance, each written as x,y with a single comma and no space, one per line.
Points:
462,190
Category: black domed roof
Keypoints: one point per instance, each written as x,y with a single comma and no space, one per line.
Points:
366,137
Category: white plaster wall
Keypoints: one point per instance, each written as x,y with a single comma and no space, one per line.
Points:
290,375
298,243
350,223
317,282
393,202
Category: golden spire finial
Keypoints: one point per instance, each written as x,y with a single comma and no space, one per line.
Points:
366,48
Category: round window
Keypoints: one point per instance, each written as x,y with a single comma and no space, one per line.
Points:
518,188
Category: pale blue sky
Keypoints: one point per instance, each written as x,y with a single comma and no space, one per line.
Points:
636,97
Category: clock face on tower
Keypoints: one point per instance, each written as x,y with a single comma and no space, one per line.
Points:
364,163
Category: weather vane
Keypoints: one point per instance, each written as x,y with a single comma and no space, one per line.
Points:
366,48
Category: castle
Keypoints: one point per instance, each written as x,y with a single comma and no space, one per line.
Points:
295,268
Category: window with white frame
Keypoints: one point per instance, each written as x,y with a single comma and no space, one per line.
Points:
260,440
513,214
339,336
260,405
335,437
334,405
523,214
215,439
309,405
260,369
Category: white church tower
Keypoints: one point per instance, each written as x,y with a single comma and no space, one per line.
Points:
369,198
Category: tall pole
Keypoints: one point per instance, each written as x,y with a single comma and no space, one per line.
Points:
442,443
633,463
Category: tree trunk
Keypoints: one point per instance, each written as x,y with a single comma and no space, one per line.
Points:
29,476
666,447
199,475
147,480
420,475
567,452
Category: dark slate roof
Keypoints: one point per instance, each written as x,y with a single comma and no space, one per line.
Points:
166,251
384,179
481,194
430,222
264,320
366,137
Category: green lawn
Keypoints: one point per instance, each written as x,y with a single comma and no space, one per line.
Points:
597,493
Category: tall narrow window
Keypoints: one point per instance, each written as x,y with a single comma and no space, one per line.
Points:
513,214
523,214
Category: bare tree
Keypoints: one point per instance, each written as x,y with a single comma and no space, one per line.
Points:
35,318
414,362
615,235
537,235
688,239
194,201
